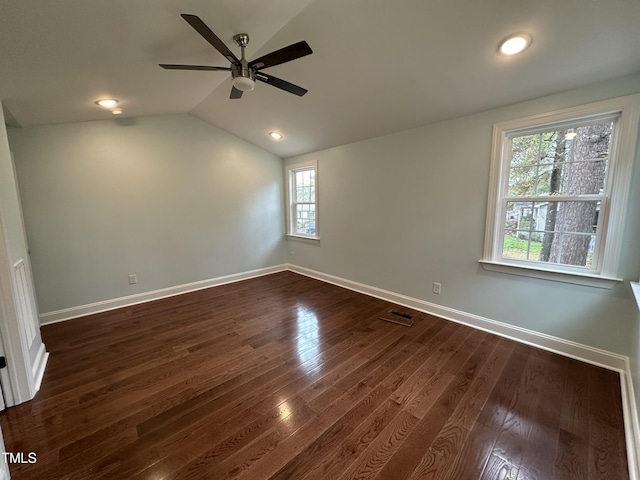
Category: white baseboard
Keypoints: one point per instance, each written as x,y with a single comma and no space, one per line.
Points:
585,353
632,425
89,309
39,365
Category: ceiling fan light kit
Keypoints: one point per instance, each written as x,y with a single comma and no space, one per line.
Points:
245,84
244,74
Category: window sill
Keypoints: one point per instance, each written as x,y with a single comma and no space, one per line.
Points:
598,281
302,238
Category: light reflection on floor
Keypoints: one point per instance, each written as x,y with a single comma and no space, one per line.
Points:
308,338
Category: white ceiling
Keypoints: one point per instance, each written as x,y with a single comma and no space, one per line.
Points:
378,66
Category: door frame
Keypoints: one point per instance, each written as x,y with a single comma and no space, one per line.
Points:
18,371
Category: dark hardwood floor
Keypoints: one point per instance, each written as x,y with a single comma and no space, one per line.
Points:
286,377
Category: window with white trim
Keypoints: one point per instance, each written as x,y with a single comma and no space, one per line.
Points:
302,199
559,192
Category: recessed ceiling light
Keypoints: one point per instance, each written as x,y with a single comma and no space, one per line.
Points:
514,44
116,111
107,102
275,135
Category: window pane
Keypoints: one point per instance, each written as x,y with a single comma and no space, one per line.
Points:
533,149
522,181
523,215
306,219
305,181
519,248
553,232
304,194
560,162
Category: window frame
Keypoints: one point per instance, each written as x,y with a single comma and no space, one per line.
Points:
290,172
613,208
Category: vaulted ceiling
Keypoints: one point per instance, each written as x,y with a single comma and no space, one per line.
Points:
378,66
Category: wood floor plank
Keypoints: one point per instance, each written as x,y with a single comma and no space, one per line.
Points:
304,437
355,444
468,411
498,468
287,377
475,453
382,448
424,379
542,441
435,464
575,402
572,457
501,397
605,423
512,443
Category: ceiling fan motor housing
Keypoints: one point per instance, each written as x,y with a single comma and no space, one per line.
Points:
244,78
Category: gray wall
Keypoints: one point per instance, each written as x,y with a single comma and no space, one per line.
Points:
169,198
402,211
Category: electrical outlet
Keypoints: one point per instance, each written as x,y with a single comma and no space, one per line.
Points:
437,287
133,279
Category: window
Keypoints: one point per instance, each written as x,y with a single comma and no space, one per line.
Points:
559,190
302,200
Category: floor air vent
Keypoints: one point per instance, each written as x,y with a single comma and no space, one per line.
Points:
395,316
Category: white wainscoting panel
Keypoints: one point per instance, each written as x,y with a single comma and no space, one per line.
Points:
26,317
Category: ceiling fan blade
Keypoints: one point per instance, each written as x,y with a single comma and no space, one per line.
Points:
283,55
282,84
171,66
235,93
201,27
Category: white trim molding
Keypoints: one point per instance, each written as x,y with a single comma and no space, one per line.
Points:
38,367
112,304
578,351
631,423
635,288
544,274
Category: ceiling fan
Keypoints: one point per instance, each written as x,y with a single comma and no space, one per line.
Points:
245,73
